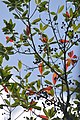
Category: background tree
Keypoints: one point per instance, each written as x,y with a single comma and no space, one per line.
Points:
48,42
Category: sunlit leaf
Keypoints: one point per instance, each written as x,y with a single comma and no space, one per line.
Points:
45,27
41,26
48,82
45,111
19,64
71,12
60,9
27,75
36,20
37,1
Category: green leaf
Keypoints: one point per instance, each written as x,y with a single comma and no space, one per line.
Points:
36,29
11,8
36,20
24,14
60,9
26,44
8,103
46,73
53,13
44,54
43,3
37,107
45,27
52,92
6,2
64,15
55,18
78,25
76,102
64,88
37,1
9,48
59,85
19,77
71,12
8,77
8,68
15,104
27,75
75,28
61,53
21,37
19,64
51,39
52,112
20,9
16,68
6,57
16,16
41,26
26,1
1,106
48,82
38,84
1,59
42,9
45,111
10,21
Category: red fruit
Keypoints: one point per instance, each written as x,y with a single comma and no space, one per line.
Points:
43,116
28,30
67,14
30,109
54,78
63,41
44,39
5,88
7,38
11,40
41,68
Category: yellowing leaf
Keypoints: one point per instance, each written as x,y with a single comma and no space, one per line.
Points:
60,9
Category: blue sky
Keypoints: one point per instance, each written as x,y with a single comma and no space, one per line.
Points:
5,14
